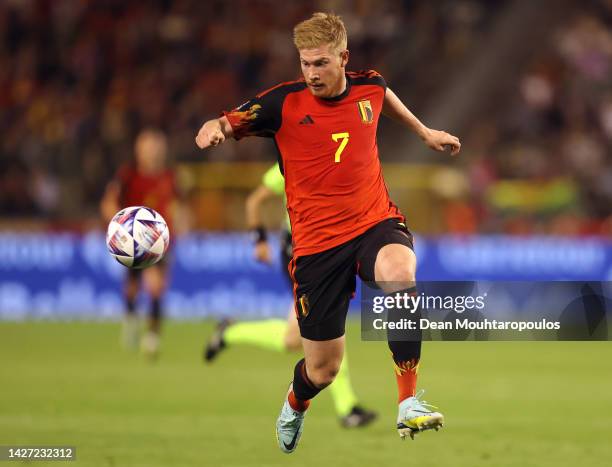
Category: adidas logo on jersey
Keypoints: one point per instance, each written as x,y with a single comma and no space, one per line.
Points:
307,120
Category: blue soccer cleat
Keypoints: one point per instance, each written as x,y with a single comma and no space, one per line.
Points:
289,428
416,415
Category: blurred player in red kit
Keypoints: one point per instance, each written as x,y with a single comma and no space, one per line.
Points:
146,181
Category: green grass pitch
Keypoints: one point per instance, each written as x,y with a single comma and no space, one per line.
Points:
506,404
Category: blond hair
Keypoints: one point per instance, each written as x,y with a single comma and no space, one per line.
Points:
321,29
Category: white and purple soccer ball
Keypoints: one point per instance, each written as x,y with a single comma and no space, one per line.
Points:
138,237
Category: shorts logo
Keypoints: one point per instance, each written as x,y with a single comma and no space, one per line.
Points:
365,111
303,306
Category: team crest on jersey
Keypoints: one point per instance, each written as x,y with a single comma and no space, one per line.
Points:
365,111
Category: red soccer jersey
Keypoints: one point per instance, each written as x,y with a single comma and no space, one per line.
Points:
153,191
328,155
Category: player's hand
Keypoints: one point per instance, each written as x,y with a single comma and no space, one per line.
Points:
262,252
210,134
441,141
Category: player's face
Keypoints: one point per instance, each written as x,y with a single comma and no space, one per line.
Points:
150,153
323,70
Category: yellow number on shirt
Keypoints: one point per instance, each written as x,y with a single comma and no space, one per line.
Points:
344,137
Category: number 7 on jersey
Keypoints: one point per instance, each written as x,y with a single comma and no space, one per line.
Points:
344,137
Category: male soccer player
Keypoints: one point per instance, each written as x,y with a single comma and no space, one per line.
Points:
342,219
277,334
145,182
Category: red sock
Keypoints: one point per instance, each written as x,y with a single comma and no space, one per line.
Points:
406,374
297,404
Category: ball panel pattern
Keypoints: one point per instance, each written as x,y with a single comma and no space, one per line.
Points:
138,237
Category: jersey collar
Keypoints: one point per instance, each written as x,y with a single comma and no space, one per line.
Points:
342,95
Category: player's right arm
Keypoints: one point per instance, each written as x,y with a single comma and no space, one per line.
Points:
214,132
112,199
109,205
261,116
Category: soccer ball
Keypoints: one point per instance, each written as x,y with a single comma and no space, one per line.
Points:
137,237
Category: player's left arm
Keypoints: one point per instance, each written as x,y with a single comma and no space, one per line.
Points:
438,140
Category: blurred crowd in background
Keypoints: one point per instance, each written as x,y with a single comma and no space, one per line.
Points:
78,79
542,160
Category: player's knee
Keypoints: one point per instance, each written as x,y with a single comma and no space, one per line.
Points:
395,263
155,282
324,375
397,270
156,288
131,290
156,293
